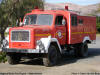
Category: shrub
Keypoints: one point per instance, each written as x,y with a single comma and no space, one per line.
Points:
3,57
98,24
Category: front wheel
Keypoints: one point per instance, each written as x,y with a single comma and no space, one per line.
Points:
52,57
13,59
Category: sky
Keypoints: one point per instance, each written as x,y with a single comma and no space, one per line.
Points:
79,2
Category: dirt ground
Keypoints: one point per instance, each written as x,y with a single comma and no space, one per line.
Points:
69,65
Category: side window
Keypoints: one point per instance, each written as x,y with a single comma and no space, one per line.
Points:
80,21
59,20
74,20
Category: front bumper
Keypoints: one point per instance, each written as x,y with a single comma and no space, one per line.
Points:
11,50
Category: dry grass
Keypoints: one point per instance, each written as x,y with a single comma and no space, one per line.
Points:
98,35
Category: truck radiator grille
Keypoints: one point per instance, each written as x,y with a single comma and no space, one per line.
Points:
20,36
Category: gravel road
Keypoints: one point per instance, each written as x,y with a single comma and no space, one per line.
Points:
69,65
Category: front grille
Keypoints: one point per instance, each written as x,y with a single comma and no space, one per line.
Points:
20,36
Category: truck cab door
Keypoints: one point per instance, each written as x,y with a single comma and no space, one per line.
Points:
74,29
60,29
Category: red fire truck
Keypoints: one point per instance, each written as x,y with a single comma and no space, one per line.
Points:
48,34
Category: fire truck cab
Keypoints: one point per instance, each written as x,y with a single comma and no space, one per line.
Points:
48,34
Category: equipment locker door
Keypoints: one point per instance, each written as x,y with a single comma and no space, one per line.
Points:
74,29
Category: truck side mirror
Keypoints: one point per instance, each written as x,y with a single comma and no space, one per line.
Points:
17,23
21,24
63,22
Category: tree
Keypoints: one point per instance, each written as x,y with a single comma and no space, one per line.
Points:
97,14
12,10
98,24
98,19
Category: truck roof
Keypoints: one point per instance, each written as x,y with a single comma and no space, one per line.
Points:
38,11
57,11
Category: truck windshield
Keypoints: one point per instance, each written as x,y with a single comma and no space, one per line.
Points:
41,19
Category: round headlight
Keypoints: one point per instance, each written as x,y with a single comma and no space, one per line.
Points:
5,43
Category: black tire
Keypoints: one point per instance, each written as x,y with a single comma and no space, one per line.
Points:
52,57
81,50
13,59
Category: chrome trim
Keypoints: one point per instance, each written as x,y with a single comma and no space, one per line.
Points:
21,41
12,50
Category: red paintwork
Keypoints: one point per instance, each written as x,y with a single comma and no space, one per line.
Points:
88,28
68,38
22,45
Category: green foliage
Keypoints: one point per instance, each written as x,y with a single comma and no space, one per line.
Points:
97,18
98,24
12,10
3,57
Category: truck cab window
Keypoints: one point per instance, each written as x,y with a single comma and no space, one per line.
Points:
38,19
74,20
80,21
30,19
59,20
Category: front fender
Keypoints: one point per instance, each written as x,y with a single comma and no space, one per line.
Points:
47,41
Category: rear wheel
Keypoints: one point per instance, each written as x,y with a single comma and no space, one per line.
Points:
13,59
81,50
52,57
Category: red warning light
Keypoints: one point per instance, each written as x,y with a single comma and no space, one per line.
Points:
66,7
36,7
